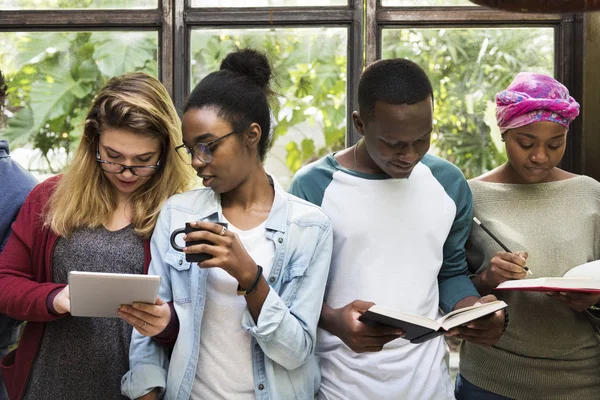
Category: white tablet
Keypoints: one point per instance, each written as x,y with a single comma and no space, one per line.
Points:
99,294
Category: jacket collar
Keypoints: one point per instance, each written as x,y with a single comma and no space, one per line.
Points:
210,205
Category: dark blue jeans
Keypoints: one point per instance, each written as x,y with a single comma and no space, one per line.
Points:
465,390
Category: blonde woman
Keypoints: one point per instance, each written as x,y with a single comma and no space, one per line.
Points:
98,216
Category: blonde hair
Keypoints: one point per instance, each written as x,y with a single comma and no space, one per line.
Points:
84,198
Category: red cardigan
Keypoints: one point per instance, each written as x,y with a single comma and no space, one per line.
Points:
26,282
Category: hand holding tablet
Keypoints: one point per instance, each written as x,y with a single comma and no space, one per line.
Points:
98,294
147,319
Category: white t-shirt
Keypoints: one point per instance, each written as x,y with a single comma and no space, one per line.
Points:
225,358
363,267
391,238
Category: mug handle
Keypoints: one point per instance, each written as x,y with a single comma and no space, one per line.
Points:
173,236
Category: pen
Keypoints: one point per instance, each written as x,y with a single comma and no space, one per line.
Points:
478,222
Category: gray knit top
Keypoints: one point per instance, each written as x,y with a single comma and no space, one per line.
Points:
549,351
85,358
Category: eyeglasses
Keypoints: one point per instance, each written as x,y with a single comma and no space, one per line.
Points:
203,151
116,168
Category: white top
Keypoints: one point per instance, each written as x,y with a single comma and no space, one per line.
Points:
403,212
392,240
225,358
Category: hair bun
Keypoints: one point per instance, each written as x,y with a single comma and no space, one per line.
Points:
250,63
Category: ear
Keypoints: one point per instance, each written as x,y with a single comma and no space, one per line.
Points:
358,123
253,135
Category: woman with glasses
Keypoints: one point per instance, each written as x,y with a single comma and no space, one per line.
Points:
98,216
247,316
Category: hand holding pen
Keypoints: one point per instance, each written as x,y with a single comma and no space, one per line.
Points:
505,265
478,222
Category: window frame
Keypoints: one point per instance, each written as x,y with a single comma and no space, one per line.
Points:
175,19
158,19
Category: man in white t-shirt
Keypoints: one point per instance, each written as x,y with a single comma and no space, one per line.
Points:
401,218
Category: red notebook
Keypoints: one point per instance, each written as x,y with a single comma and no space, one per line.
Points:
583,278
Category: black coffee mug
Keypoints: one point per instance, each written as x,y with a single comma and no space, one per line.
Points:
192,257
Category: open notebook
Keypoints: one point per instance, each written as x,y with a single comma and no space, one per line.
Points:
582,278
420,329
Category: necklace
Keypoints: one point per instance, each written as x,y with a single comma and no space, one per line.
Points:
355,162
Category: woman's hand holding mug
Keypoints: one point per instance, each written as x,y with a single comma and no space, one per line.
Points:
216,246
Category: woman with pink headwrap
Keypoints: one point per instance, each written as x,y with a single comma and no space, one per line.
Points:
549,350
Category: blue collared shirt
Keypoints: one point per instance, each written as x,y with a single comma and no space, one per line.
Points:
283,338
16,183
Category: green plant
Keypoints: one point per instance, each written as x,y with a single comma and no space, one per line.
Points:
56,74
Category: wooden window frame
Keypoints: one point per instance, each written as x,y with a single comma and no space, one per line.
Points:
159,19
365,20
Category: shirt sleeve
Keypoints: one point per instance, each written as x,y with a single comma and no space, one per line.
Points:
312,180
288,335
21,296
168,337
454,284
149,360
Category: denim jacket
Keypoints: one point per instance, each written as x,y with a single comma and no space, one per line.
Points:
283,339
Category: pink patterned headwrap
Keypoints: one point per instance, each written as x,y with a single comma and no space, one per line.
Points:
533,98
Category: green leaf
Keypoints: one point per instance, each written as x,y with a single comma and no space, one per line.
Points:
81,90
119,52
20,127
308,149
335,137
293,157
50,99
31,51
88,71
77,122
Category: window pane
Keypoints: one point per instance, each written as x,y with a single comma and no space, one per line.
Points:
52,78
310,82
426,3
75,4
268,3
467,67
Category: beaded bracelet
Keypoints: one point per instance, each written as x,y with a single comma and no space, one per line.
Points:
242,292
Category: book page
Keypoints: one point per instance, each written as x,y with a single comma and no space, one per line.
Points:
587,270
552,284
410,318
582,278
459,311
471,313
